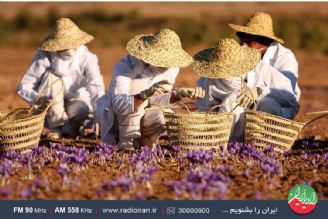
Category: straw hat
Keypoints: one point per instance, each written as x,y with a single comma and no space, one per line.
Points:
162,49
227,59
65,35
260,24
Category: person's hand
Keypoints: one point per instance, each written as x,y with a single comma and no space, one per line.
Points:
249,97
41,102
157,88
193,93
91,129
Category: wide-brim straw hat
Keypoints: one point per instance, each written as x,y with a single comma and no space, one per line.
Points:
65,35
162,49
259,24
226,60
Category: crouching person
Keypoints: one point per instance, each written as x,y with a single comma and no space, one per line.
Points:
144,77
68,73
234,76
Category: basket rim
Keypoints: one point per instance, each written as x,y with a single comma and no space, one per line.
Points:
200,113
275,116
6,121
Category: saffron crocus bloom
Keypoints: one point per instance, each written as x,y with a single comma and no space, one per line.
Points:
27,193
5,192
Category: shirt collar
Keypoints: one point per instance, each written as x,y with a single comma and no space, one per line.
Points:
269,54
133,60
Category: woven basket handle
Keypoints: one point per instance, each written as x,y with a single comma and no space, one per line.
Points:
44,90
46,87
182,104
245,88
6,116
171,106
224,104
316,116
36,99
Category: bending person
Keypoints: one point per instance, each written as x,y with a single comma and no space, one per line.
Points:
226,68
145,76
258,33
65,70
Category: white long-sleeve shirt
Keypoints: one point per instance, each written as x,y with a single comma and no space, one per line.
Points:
285,62
130,77
272,82
81,76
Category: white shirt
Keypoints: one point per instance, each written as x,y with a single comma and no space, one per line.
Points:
272,82
285,62
81,76
130,77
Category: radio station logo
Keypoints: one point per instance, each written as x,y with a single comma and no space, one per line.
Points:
302,199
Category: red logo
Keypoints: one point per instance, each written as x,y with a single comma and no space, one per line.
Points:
302,199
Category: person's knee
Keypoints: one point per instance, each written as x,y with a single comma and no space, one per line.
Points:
77,111
269,105
153,119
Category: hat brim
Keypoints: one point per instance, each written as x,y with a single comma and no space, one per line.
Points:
248,30
53,43
160,57
207,65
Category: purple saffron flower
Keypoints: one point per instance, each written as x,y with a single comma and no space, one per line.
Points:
140,196
6,167
105,186
176,187
149,172
139,165
258,196
38,183
228,168
80,159
125,183
306,143
245,173
45,161
62,171
100,193
221,187
24,159
5,192
269,149
11,154
286,153
325,156
27,193
213,183
177,149
199,156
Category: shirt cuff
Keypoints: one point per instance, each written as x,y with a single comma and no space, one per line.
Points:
265,92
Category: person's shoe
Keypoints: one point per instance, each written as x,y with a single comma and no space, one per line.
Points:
54,134
136,143
148,141
125,144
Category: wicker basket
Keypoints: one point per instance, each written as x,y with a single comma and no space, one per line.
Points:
263,129
198,130
21,128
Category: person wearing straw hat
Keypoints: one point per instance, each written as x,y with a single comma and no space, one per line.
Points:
228,67
258,33
144,77
65,71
